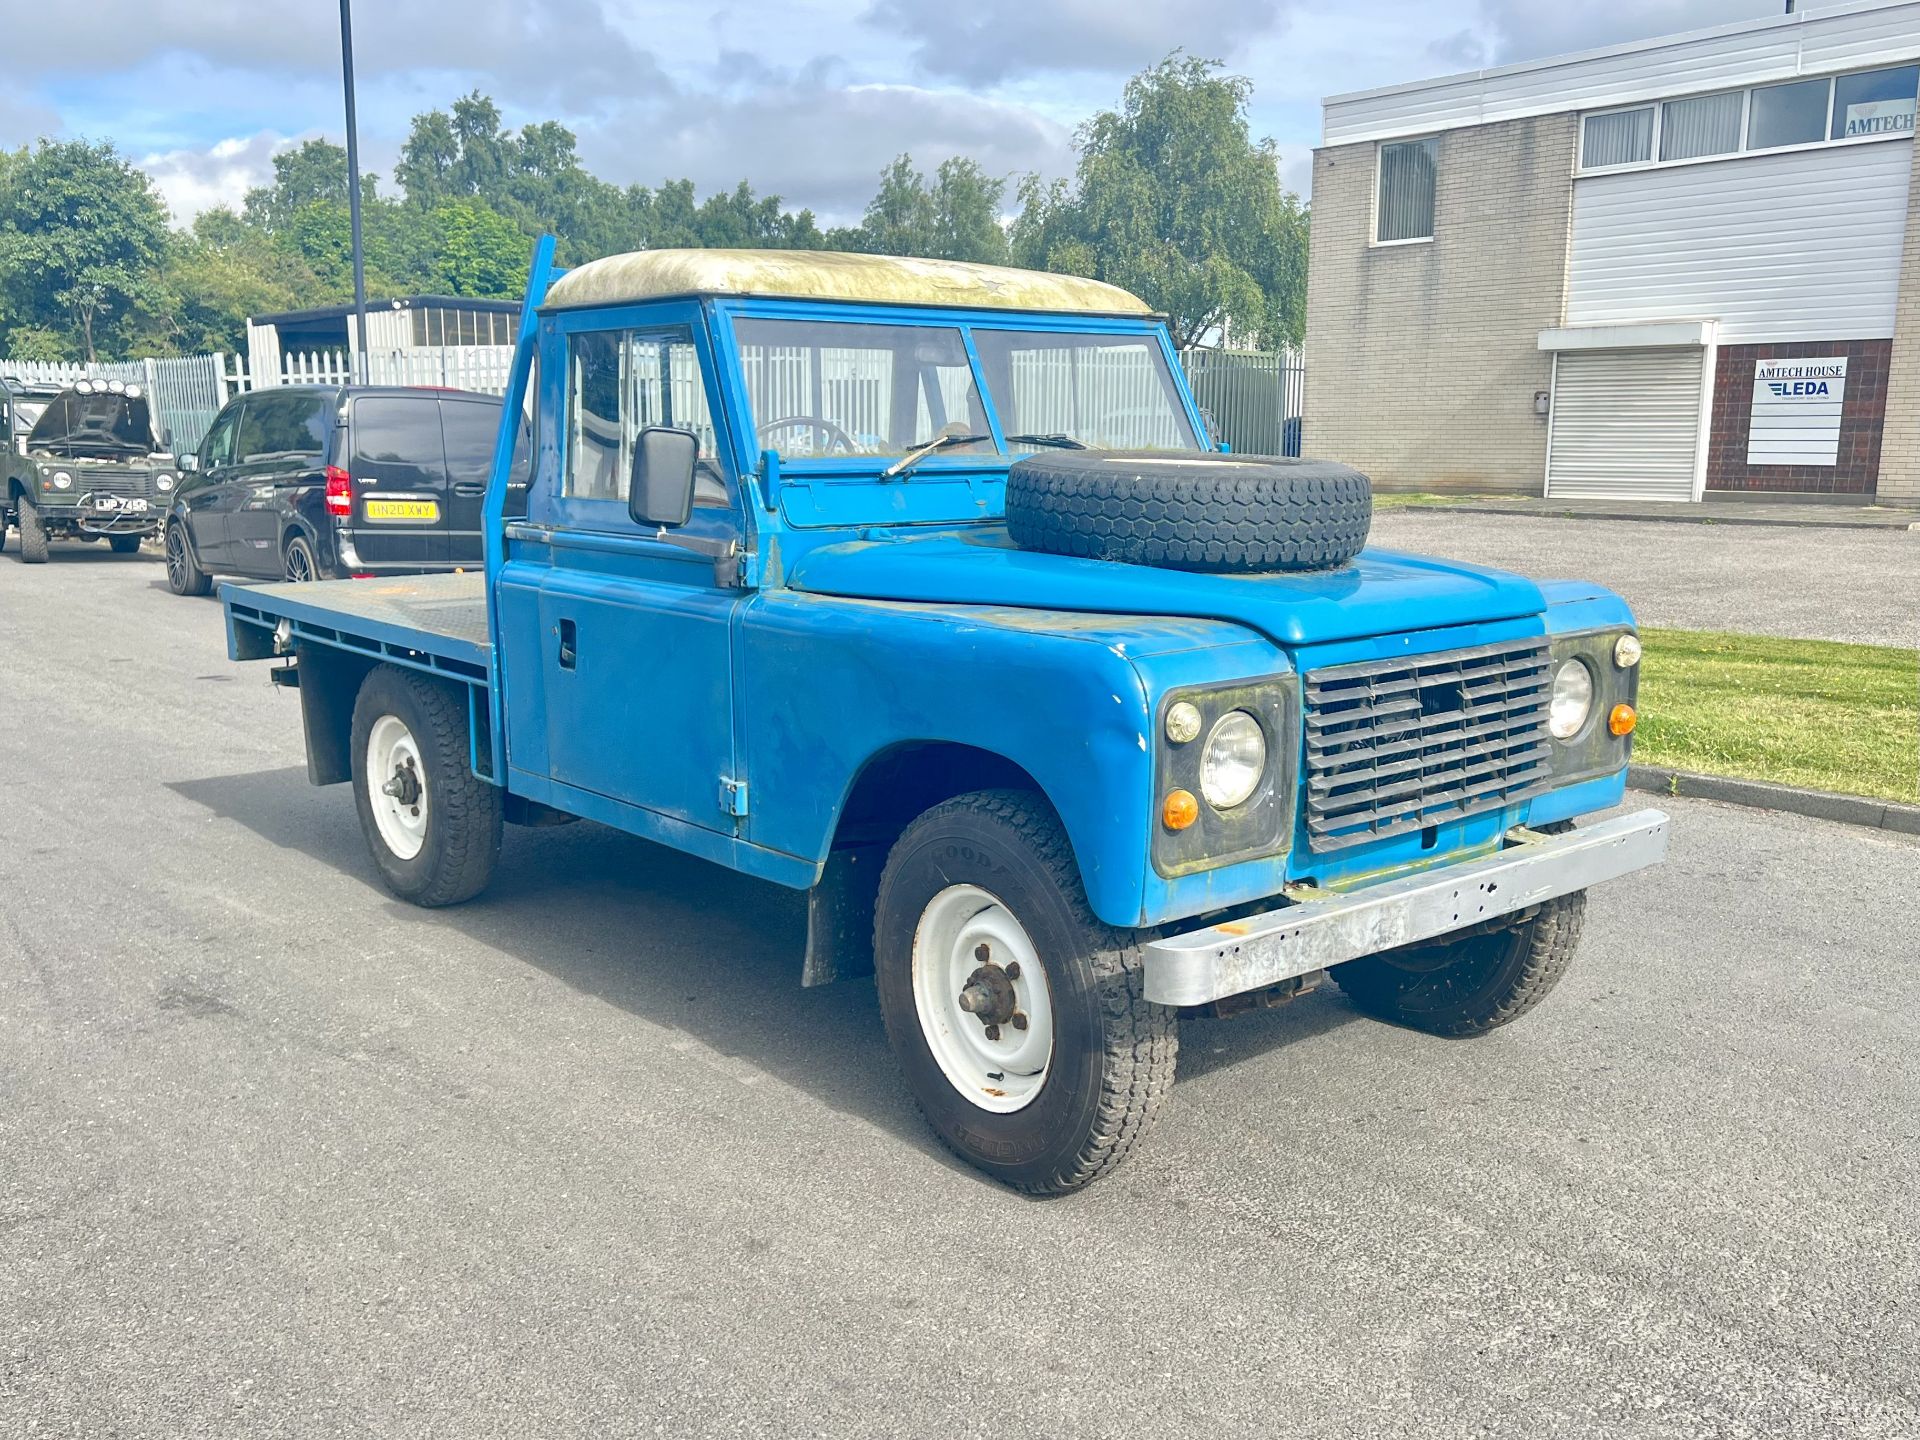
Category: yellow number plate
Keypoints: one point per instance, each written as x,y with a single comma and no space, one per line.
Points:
403,509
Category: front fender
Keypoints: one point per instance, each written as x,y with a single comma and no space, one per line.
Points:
829,682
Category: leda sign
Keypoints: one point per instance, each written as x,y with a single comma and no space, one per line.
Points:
1796,411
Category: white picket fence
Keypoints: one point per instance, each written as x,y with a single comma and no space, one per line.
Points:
451,367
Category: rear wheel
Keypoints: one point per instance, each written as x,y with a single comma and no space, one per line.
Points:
184,575
33,532
1473,985
432,824
1018,1018
123,544
299,563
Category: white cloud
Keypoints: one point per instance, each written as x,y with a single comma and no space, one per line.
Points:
221,174
1528,30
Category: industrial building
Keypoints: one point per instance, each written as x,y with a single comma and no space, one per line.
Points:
1670,270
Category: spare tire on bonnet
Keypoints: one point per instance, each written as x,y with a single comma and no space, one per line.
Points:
1190,511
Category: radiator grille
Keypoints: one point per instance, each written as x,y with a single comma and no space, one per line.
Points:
112,482
1397,745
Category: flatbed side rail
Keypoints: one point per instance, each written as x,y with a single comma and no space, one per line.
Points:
255,633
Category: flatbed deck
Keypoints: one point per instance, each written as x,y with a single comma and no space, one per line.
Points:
434,621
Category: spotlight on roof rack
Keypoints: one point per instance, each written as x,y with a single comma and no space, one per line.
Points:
83,387
115,387
133,392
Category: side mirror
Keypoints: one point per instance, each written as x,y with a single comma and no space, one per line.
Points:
166,439
189,463
660,489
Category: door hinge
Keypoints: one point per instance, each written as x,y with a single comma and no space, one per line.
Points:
733,797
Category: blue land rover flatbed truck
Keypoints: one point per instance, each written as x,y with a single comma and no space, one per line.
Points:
919,586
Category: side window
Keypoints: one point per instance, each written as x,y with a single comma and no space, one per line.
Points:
217,448
619,382
396,441
1404,206
277,427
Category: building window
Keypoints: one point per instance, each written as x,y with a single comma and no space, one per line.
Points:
1624,137
1878,102
1405,204
1704,125
1794,114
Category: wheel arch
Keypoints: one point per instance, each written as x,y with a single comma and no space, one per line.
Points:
889,791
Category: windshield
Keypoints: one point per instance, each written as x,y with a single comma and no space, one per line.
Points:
1108,392
825,388
100,423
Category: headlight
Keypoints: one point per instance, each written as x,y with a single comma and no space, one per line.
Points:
1234,760
61,480
1183,722
1572,700
1626,651
163,482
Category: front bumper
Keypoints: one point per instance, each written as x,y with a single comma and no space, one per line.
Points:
1261,950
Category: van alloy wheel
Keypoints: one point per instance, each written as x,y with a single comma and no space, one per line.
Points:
300,565
184,575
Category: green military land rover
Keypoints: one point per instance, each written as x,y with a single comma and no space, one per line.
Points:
83,462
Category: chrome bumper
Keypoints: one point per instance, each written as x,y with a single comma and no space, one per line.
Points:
1263,950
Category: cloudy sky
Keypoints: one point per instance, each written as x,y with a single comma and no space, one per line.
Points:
805,98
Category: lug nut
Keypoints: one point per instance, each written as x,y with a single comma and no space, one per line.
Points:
1013,970
993,1032
1019,1019
982,953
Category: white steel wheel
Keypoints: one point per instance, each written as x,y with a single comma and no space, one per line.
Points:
397,786
983,1001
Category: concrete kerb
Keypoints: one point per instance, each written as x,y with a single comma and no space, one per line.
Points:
1763,795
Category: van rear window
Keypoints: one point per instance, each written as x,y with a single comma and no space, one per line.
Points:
396,440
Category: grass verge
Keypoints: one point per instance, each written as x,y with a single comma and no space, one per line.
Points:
1813,713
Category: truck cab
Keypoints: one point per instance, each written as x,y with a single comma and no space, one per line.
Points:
922,587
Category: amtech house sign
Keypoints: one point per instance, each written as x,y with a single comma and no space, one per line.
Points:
1796,411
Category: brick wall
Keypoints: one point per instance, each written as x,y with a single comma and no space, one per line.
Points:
1860,420
1900,435
1422,360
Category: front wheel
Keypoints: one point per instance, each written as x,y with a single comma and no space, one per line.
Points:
184,575
33,533
1472,985
1017,1017
432,824
123,544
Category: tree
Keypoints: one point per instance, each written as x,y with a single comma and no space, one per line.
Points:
966,213
1175,201
477,251
83,235
899,218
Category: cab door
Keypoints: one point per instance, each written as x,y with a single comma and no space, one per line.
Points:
635,629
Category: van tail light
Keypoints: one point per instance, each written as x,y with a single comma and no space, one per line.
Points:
339,491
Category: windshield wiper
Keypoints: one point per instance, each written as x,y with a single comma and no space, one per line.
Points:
1052,442
939,442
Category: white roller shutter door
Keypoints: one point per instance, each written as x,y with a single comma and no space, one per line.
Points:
1626,424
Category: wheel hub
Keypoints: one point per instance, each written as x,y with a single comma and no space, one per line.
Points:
405,784
982,998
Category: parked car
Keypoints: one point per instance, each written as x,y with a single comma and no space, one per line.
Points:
310,482
1062,745
81,462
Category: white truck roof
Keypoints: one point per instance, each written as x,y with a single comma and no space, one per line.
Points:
830,275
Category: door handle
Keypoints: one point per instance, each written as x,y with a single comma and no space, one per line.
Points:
569,644
468,489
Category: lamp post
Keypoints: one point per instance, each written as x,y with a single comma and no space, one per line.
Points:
353,193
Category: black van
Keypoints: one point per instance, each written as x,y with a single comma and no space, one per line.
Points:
310,482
